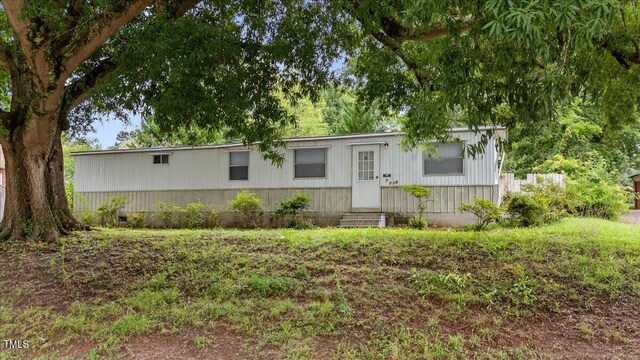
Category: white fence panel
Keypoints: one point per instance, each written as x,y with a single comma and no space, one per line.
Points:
509,184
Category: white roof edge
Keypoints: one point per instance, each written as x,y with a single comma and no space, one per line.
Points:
286,140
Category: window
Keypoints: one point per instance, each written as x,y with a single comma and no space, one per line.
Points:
365,165
161,159
310,163
447,161
239,165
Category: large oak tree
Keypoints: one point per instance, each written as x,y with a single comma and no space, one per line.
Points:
215,63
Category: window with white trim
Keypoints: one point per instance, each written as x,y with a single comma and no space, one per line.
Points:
310,163
160,159
365,165
448,160
239,165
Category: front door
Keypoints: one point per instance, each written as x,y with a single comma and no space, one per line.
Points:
365,188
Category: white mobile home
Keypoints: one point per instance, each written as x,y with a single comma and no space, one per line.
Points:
343,174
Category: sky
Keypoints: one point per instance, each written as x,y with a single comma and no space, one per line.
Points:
107,131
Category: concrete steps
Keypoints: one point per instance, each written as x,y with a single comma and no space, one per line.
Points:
362,220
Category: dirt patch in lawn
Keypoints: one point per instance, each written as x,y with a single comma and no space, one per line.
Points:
120,295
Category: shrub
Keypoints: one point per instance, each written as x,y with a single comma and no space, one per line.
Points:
421,193
169,214
591,189
485,212
249,205
137,220
291,208
111,209
528,209
88,217
417,222
213,219
302,224
193,215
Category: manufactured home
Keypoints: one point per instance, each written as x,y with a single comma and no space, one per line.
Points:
353,178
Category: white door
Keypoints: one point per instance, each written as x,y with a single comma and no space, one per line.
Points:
365,183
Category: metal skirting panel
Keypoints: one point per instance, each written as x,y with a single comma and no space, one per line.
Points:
326,200
444,199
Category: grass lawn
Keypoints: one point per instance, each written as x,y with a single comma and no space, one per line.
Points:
567,290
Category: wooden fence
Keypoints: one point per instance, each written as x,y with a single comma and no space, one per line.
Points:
509,184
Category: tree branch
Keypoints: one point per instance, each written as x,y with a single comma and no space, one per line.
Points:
13,8
396,47
80,89
402,33
622,56
5,55
95,39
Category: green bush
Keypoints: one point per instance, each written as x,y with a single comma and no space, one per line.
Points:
88,217
291,208
111,209
591,189
169,214
417,222
137,220
528,209
485,212
213,219
421,193
193,215
249,205
302,224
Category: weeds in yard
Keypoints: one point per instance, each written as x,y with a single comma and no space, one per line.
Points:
370,293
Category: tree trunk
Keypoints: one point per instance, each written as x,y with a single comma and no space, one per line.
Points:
36,206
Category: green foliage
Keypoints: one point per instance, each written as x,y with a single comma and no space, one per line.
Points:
151,134
439,284
299,287
270,285
88,217
213,218
193,216
485,212
291,208
540,204
249,205
528,209
305,39
417,222
111,209
542,54
345,114
421,193
308,118
169,214
579,130
137,220
591,189
302,224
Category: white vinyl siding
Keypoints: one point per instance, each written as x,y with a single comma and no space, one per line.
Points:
448,160
239,165
207,168
310,163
